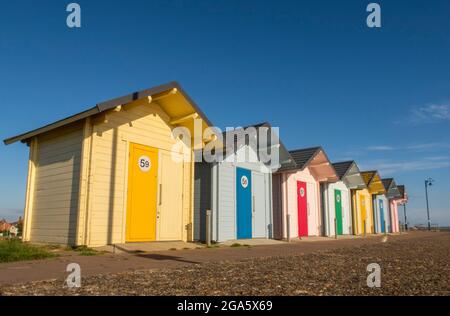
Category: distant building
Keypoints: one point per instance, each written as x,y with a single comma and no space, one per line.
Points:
4,225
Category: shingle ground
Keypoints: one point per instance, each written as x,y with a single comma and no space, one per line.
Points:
419,266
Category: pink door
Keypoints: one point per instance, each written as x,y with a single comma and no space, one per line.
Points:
302,203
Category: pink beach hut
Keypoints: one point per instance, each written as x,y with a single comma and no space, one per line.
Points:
296,194
394,203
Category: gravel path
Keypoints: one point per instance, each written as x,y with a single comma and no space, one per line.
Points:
418,266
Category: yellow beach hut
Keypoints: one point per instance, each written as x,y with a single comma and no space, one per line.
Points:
363,199
114,173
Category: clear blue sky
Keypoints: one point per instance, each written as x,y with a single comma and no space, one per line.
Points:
313,68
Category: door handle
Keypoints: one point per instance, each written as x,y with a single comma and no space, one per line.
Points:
160,194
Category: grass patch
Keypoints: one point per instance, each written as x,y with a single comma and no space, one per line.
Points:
54,247
237,245
15,250
86,251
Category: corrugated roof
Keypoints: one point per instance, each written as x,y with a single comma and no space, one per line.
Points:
108,105
368,176
387,183
391,188
342,168
303,156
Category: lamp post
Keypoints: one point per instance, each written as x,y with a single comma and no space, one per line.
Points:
406,220
428,183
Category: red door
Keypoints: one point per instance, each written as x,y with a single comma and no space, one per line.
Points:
302,209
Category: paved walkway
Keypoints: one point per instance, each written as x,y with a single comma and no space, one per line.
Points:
138,247
22,272
253,242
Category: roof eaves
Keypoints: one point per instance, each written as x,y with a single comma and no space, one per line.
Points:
317,150
107,105
373,172
350,162
388,182
71,119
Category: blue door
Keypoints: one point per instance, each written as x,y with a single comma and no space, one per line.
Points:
381,208
244,203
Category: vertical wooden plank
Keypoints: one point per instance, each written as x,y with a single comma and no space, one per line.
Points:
226,202
276,206
29,198
90,189
318,210
190,231
327,208
356,230
85,160
125,191
286,229
201,180
269,193
214,201
354,212
159,201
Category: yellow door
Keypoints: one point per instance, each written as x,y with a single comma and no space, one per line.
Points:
142,193
370,227
362,203
355,215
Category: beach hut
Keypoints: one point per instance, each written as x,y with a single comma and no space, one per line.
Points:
381,214
365,201
394,203
114,173
238,188
384,204
362,202
296,192
337,205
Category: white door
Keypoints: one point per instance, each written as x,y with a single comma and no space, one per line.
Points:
313,211
346,213
170,200
260,228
